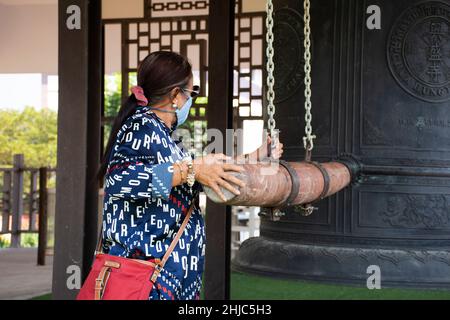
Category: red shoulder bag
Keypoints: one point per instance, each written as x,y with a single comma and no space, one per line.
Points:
117,278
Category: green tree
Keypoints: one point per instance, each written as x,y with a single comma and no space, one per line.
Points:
30,132
112,102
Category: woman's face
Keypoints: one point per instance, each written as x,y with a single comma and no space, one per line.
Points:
183,96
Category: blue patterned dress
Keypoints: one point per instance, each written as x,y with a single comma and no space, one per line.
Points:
142,212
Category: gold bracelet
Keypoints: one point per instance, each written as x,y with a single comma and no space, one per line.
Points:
191,172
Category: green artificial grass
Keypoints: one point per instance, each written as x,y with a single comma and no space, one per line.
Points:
244,286
251,287
47,296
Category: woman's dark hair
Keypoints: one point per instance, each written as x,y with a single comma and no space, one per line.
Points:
158,74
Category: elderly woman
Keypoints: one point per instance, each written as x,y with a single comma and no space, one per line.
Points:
151,180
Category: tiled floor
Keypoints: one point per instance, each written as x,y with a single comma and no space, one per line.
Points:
20,277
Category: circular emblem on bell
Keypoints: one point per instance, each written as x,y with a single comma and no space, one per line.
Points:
419,51
288,58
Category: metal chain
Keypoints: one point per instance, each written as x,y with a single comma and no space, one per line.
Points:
308,138
270,68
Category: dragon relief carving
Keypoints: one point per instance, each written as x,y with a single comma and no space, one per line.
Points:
417,211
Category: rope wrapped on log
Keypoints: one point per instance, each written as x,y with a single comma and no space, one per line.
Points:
272,184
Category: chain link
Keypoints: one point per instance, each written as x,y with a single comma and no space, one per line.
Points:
308,138
270,67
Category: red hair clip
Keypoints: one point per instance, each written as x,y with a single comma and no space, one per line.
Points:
140,96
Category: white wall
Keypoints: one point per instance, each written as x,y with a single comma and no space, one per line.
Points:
28,38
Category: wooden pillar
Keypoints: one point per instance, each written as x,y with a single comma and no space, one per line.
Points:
80,79
32,200
6,200
219,116
42,236
17,200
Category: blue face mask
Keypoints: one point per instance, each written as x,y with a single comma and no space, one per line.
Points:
183,113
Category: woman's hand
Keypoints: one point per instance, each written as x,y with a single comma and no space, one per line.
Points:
276,152
212,172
